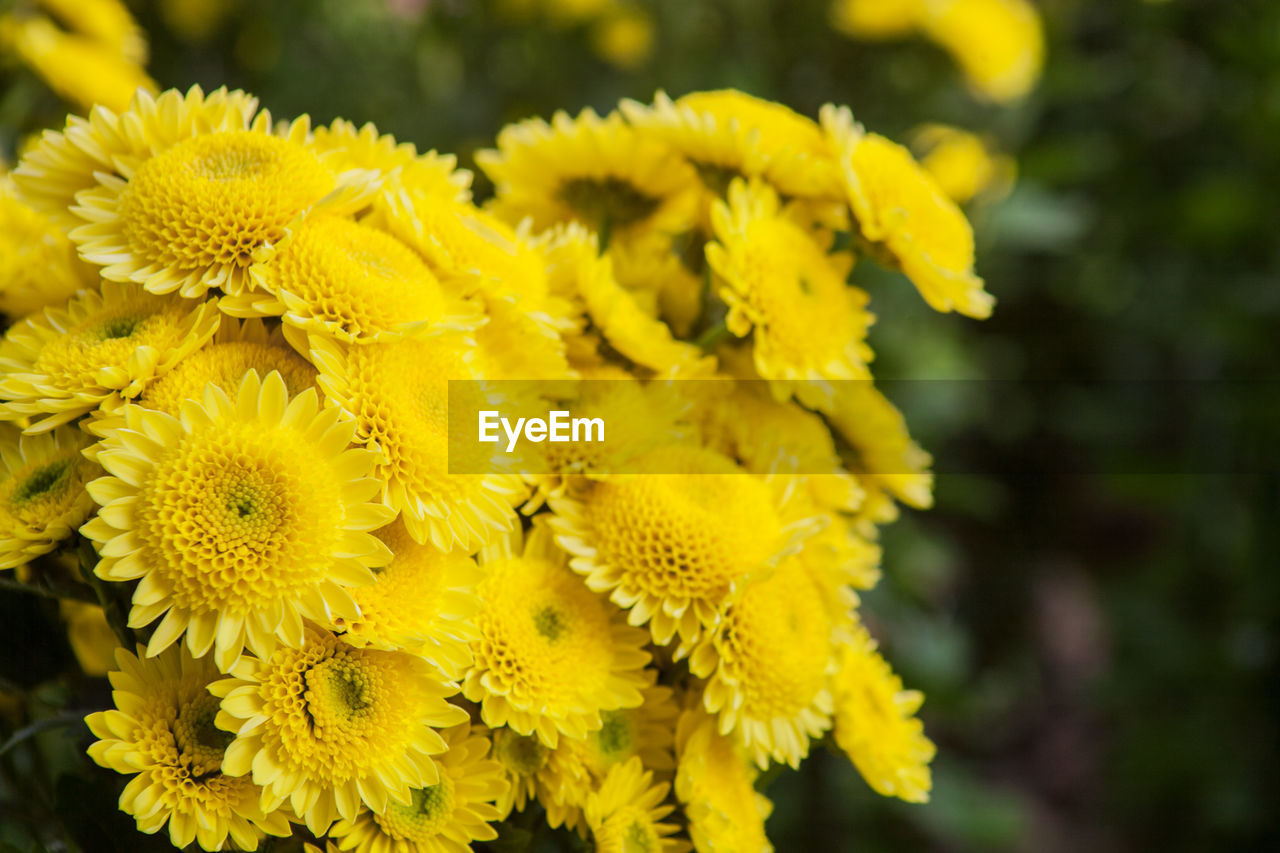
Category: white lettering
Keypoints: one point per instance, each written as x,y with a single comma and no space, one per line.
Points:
557,427
488,422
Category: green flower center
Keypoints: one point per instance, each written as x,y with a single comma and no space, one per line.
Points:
549,622
42,481
607,202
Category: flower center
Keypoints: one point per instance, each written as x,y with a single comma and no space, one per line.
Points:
607,201
523,755
549,622
616,736
42,481
199,741
423,818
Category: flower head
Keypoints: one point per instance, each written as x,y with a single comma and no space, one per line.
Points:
715,782
626,813
423,601
162,733
767,663
552,654
398,394
328,727
783,286
38,264
672,549
595,171
101,348
240,518
42,491
876,724
901,210
441,818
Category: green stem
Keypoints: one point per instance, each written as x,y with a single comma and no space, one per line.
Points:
77,592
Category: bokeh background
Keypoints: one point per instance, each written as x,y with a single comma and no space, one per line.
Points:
1094,628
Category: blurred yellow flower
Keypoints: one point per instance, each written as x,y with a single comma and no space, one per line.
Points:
42,491
80,69
624,36
964,165
999,44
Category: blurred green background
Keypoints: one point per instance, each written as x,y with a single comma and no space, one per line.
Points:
1098,648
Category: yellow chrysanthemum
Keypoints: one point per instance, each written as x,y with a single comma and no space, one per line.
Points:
101,348
442,818
107,22
398,394
599,172
240,518
716,785
575,265
89,633
876,723
162,730
236,348
38,264
624,37
876,19
581,766
328,727
78,68
964,165
626,813
999,44
672,549
767,663
779,283
42,491
423,601
334,276
552,654
421,177
192,216
63,163
886,458
525,763
903,213
727,134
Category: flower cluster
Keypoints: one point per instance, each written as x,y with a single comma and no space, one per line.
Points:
232,380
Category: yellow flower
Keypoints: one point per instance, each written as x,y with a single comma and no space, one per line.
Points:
421,177
624,37
963,164
337,277
576,266
235,349
552,654
886,458
999,44
328,727
780,284
525,763
442,818
38,264
716,785
102,348
42,491
626,813
727,134
876,19
63,163
672,549
596,171
107,22
92,640
901,211
767,663
581,766
241,518
423,601
162,732
76,67
398,394
876,724
192,215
